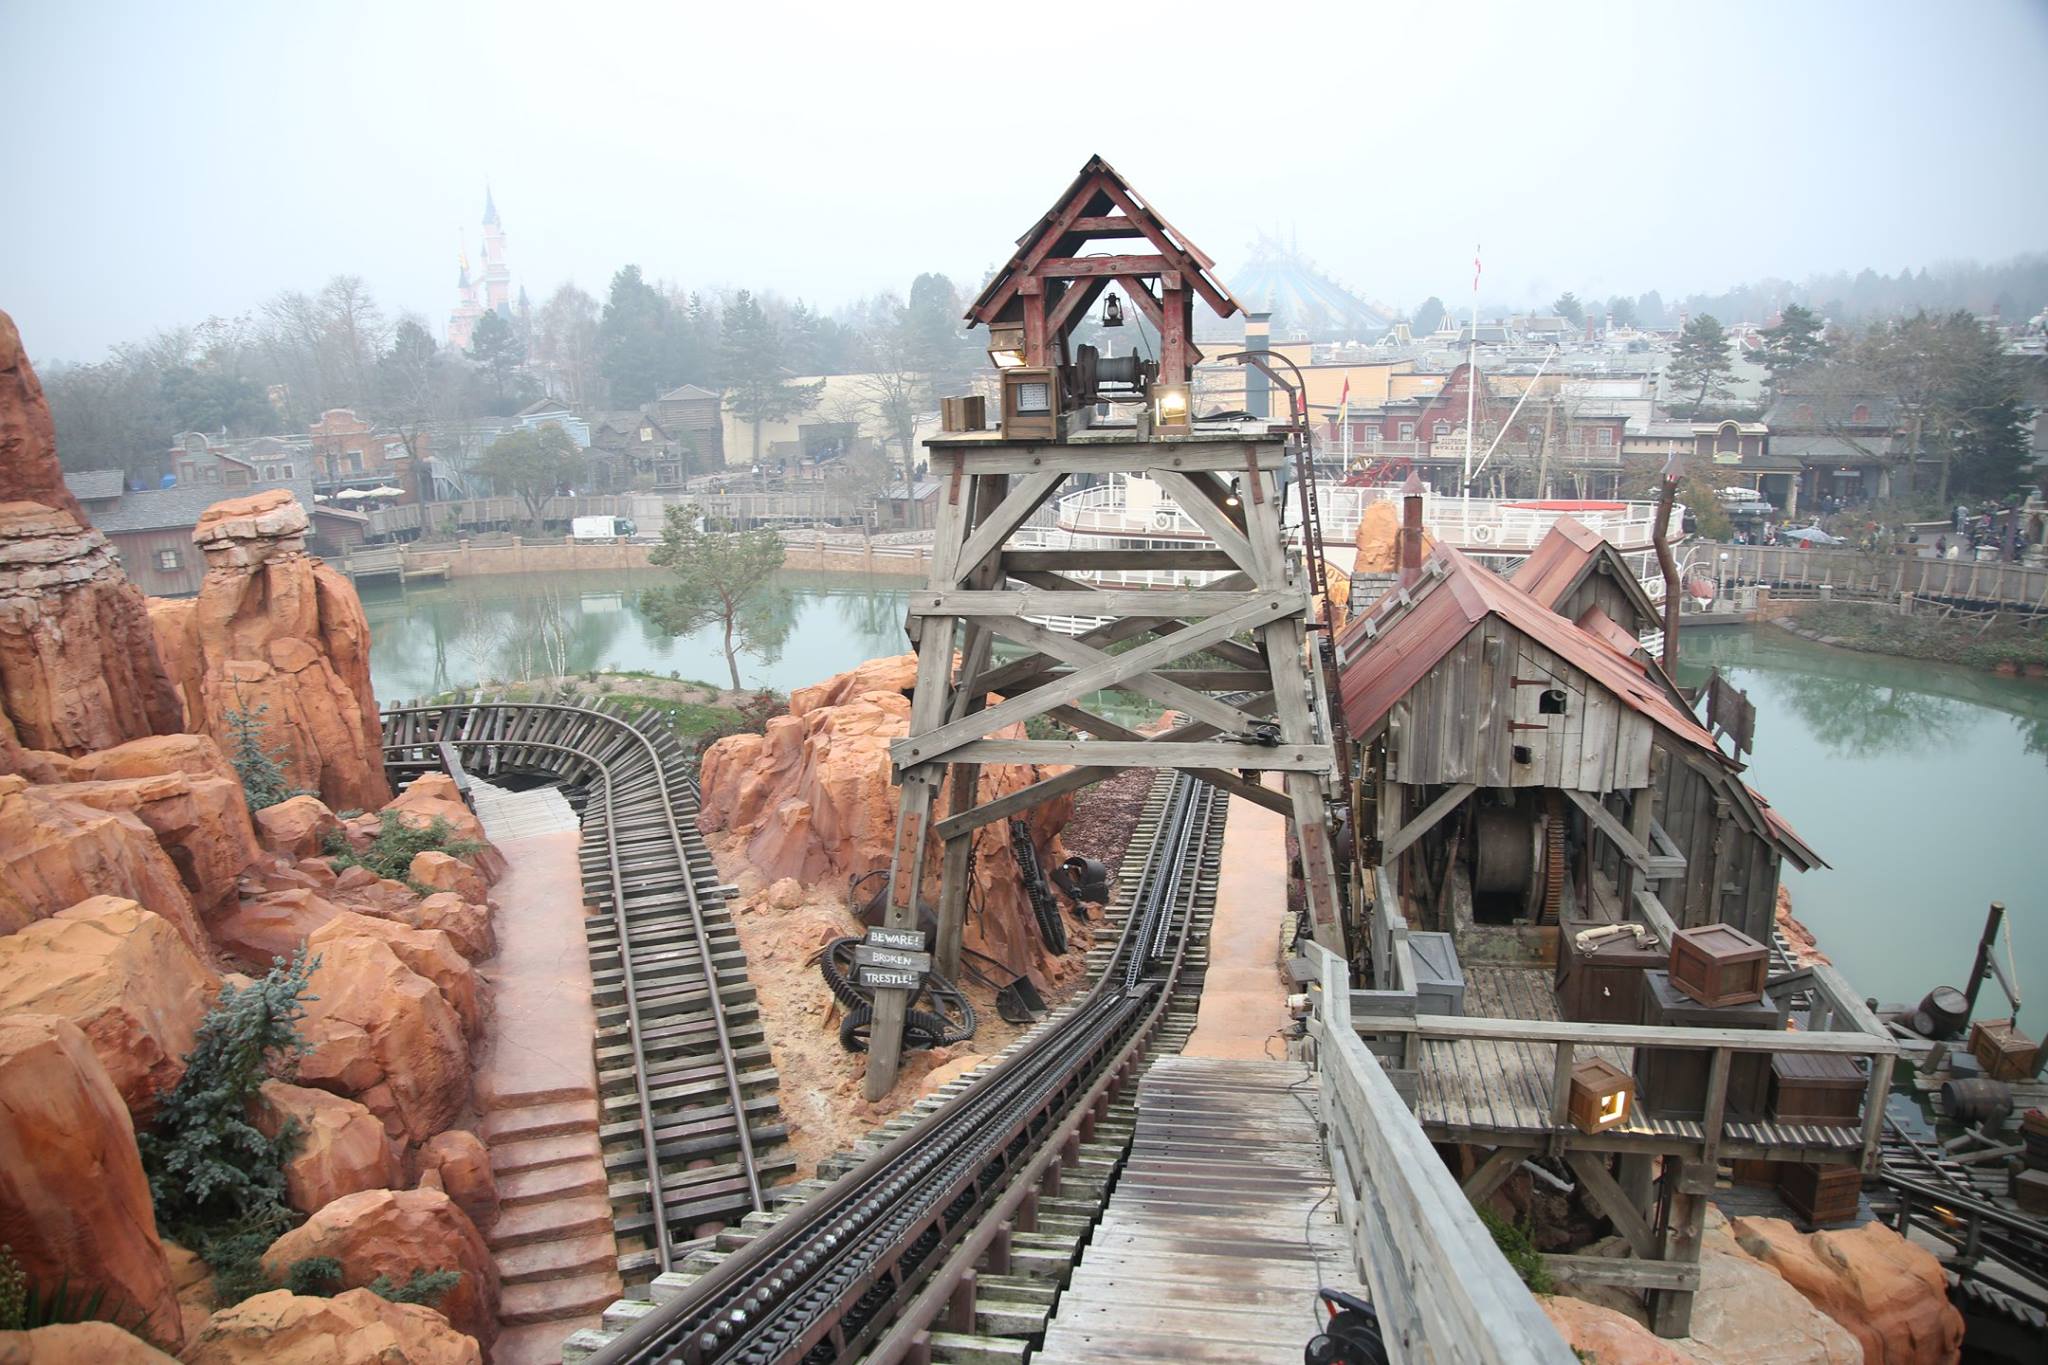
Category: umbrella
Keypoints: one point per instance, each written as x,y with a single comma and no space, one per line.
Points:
351,493
1812,534
385,490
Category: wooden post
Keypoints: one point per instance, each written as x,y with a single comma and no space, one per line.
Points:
1685,1215
1981,968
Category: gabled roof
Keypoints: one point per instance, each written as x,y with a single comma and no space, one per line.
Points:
685,391
93,485
1567,553
541,405
1389,650
1100,191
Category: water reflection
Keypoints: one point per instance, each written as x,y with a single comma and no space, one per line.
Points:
1858,719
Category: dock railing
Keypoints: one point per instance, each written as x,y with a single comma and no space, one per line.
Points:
1442,1289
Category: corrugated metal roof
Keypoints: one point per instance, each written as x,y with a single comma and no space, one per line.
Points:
167,509
1565,555
1408,643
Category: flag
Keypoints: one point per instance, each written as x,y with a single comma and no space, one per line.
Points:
1475,269
1344,404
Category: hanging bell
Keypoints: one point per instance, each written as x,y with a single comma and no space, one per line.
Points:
1113,311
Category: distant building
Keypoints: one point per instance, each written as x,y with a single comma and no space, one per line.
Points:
633,450
840,421
349,451
230,467
553,412
695,417
151,529
1848,443
488,291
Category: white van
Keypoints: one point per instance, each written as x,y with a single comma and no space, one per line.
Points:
601,528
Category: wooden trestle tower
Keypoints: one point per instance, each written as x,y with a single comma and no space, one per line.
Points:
1256,701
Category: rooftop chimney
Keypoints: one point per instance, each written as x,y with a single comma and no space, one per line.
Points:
1411,530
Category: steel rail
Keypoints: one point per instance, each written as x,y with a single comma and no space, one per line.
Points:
525,749
820,1284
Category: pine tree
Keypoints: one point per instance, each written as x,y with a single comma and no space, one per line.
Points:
1796,341
636,346
1701,363
497,347
757,387
722,578
260,766
1568,307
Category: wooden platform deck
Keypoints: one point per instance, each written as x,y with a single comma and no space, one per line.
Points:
1497,1090
1223,1223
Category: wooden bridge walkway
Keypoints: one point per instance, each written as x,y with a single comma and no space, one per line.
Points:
1223,1223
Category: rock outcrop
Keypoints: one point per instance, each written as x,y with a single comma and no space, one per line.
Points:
429,952
276,924
811,799
396,1233
202,823
274,628
468,923
1607,1335
1888,1293
1378,539
459,1163
355,1328
74,1203
381,1033
432,796
125,977
438,871
55,853
297,828
78,663
343,1149
79,1343
28,434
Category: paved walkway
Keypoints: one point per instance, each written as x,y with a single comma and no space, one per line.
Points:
1223,1224
1243,997
537,1086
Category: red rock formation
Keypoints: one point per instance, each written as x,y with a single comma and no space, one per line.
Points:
56,853
1888,1292
274,627
78,662
459,1163
342,1151
429,952
28,436
1605,1335
74,1203
379,1032
79,1343
394,1233
124,977
355,1328
261,929
466,922
812,800
432,796
440,872
202,823
297,828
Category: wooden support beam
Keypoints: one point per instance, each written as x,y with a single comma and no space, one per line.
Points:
1227,718
1617,833
1180,603
990,454
1494,1171
1079,297
996,524
1453,797
1086,267
921,747
1625,1273
1684,1219
1107,225
1297,758
1606,1192
1191,500
1066,561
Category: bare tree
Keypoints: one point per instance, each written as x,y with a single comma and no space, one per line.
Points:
356,332
565,340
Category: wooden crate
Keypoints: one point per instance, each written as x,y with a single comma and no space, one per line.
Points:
1594,1084
1672,1082
1820,1194
2005,1053
1717,964
2030,1191
1746,1172
1603,984
1811,1087
966,413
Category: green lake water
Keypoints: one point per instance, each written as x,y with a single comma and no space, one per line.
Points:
1925,787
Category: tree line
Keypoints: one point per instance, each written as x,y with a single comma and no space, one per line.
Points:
275,370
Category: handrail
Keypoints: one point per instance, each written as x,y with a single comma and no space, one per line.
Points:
1442,1289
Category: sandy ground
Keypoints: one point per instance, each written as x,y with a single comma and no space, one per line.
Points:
785,926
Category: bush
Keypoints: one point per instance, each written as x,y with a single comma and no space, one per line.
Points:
259,766
397,843
319,1276
217,1182
1517,1244
23,1308
423,1287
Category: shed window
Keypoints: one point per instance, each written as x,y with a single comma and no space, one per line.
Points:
1551,701
167,560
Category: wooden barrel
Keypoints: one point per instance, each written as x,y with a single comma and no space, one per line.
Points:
1977,1101
1947,1010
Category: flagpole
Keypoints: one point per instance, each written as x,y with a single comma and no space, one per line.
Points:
1471,389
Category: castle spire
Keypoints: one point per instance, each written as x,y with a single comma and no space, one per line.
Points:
490,207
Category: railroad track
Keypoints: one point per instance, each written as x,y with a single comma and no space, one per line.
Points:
689,1122
948,1234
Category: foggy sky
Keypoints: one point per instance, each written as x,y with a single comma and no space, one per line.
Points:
166,162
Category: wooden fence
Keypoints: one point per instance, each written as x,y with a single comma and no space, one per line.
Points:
1852,573
1443,1291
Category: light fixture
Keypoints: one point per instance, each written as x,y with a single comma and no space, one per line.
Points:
1006,345
1112,311
1030,404
1172,409
1231,499
1602,1095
